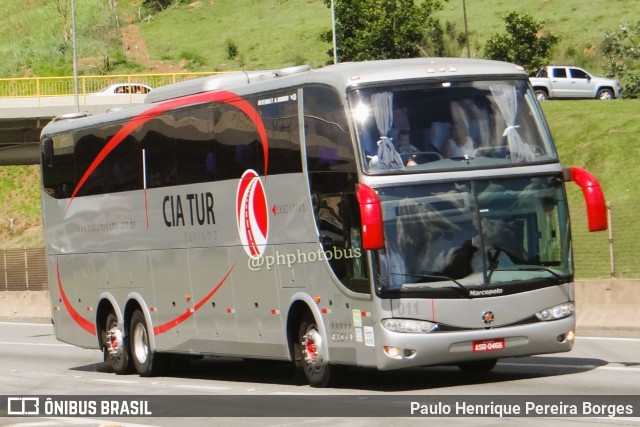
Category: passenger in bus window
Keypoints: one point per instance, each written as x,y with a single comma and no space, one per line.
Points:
406,150
459,144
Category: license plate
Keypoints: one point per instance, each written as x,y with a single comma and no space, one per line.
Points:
488,345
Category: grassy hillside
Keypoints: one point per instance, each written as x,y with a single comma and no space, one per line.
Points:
20,213
266,34
602,137
32,39
580,25
254,34
203,35
277,33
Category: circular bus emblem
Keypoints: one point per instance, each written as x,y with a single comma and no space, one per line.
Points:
487,317
252,214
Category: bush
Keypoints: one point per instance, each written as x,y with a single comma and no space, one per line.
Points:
194,59
232,49
621,51
631,85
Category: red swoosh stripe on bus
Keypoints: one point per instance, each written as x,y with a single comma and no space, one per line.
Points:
189,312
90,327
221,96
81,321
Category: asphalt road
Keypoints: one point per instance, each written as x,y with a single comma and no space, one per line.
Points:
32,363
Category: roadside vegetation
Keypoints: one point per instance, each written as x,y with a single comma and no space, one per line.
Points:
202,35
604,138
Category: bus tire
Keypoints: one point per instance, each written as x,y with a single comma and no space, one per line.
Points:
309,349
115,347
478,366
144,360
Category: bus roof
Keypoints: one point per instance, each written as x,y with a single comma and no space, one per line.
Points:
342,74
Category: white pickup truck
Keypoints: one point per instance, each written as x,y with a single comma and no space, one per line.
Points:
572,82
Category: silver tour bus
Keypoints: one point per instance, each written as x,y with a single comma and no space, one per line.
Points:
385,214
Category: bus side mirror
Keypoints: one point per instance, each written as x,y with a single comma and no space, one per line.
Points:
371,217
593,197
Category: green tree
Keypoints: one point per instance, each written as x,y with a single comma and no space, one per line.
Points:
524,44
379,29
443,40
621,52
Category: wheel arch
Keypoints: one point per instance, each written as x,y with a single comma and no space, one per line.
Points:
605,87
300,304
136,302
107,304
544,89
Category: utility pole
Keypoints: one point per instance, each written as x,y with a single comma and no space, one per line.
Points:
466,30
75,55
333,29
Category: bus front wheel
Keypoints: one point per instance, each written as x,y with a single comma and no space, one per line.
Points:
310,348
115,348
145,361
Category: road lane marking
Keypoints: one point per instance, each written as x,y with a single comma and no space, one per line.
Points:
39,344
49,325
608,339
580,367
200,387
108,380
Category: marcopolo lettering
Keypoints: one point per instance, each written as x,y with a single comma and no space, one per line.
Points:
486,292
189,209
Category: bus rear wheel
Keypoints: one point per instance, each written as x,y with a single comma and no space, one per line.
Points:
478,366
115,348
145,361
310,348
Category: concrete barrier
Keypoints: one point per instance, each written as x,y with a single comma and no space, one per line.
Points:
611,304
24,305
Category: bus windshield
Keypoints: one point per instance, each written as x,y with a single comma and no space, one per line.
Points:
449,125
468,237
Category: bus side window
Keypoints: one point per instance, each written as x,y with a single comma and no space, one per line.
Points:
282,127
58,174
237,143
124,167
332,177
160,157
85,152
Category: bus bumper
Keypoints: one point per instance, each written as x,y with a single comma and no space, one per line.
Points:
403,350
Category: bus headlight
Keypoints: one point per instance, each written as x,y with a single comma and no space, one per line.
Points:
556,312
409,326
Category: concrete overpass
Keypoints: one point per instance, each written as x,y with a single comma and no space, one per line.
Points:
22,120
28,104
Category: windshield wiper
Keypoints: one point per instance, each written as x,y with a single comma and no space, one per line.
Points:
559,279
437,277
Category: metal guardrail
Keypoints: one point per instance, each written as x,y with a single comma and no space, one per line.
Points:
56,86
